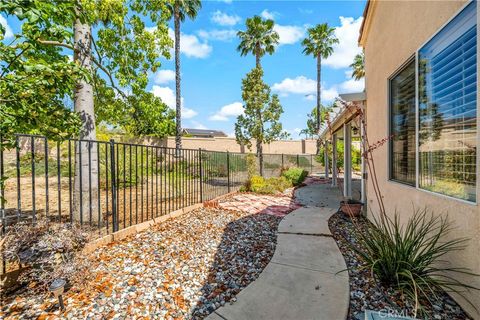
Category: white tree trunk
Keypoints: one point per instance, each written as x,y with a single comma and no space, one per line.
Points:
86,163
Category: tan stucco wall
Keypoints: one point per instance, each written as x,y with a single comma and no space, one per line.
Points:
230,144
396,30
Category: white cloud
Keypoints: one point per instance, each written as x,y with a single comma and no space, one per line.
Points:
289,34
168,97
188,113
224,19
164,76
8,30
198,125
267,14
191,46
215,34
230,110
329,94
352,85
166,94
298,85
347,34
308,87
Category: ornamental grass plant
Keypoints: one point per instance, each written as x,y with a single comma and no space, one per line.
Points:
410,257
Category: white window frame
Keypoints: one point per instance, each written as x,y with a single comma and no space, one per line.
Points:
417,122
417,113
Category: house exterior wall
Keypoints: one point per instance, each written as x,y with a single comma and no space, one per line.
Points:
394,30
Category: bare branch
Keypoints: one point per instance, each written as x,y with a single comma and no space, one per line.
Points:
110,77
56,43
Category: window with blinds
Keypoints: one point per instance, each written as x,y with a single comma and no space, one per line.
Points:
402,125
447,101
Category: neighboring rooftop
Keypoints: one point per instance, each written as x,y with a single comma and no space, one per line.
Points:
204,133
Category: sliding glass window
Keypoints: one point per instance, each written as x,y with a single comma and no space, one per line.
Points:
447,100
402,125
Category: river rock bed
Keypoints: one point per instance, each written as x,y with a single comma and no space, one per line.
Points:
184,268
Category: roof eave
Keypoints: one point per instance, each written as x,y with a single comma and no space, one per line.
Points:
363,27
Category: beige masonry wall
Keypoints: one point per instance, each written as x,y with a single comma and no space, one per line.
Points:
394,31
230,144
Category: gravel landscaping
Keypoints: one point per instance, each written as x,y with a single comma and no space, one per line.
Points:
367,293
184,268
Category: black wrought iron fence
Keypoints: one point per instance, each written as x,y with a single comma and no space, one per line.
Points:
108,186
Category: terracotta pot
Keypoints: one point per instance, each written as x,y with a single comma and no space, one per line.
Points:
351,208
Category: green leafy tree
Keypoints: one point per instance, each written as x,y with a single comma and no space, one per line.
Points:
180,9
150,117
358,66
139,115
112,54
319,44
262,112
311,129
258,39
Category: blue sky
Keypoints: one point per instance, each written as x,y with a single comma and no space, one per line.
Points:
212,69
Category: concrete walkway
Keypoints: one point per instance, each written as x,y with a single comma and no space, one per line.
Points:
301,280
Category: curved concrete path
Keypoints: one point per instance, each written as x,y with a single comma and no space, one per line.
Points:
301,282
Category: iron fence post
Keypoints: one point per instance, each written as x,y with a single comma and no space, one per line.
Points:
283,164
228,171
46,177
201,173
32,154
114,183
311,164
298,162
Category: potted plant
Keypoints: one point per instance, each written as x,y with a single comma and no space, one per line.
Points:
351,208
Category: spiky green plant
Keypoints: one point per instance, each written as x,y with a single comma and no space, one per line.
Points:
409,256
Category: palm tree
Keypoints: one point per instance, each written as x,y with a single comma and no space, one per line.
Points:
319,44
180,9
258,39
358,66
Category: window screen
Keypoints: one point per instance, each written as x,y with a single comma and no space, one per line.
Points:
448,108
402,125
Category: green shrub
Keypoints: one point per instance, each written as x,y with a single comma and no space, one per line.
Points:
295,175
279,184
256,183
356,155
409,257
267,186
